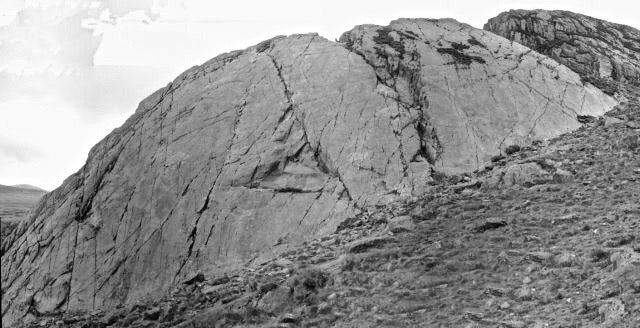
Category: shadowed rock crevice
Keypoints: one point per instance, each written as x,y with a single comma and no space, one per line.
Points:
403,64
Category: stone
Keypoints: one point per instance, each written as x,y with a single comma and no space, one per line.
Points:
524,294
619,240
489,224
527,175
153,313
276,300
325,308
633,125
364,245
630,143
496,290
211,289
564,259
289,318
607,50
626,257
612,311
608,121
540,256
513,324
562,176
219,281
259,149
475,314
401,224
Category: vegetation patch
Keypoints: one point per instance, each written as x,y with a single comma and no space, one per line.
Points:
459,46
512,149
473,41
460,57
263,46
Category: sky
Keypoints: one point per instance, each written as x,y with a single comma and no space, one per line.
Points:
71,71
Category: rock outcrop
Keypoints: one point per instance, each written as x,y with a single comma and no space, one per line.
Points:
275,144
589,46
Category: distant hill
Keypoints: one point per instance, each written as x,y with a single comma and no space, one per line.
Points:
15,201
29,187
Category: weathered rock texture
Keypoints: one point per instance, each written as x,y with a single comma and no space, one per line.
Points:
269,146
589,46
476,94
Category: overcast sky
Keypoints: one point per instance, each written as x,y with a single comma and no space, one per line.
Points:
73,70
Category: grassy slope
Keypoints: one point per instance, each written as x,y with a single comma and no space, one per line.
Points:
15,202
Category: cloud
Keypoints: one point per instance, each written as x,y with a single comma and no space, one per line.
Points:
60,37
16,152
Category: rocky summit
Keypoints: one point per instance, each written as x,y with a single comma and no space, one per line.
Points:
205,201
589,46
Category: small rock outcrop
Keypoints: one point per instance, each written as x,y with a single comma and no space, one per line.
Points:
273,145
590,46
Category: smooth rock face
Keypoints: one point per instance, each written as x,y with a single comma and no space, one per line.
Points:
474,93
277,144
589,46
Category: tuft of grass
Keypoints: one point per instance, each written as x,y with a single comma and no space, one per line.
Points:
512,149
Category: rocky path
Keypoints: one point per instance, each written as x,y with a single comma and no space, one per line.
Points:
547,237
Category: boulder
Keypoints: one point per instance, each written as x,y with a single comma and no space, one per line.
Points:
527,175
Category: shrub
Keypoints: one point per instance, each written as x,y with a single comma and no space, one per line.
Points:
512,149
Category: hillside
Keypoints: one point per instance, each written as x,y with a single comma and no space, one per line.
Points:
560,247
15,202
423,172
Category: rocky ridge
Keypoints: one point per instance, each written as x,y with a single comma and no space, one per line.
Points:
589,46
255,151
